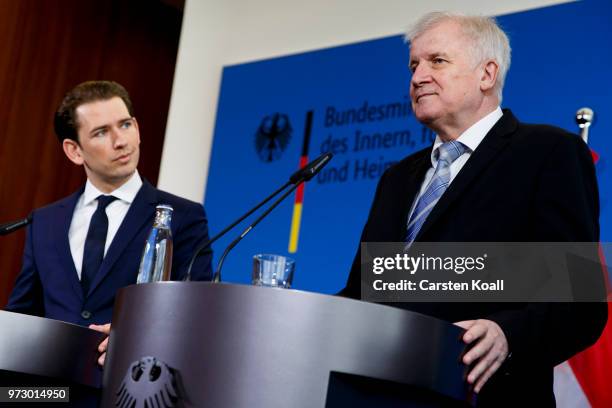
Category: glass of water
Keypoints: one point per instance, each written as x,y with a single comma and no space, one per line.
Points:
273,270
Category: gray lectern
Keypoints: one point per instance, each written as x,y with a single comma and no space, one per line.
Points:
35,351
198,344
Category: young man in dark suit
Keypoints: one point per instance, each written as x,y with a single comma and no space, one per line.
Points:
63,277
489,178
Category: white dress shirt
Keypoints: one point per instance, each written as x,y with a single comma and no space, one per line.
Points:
471,138
87,205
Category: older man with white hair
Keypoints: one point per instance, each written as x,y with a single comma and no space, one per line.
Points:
489,178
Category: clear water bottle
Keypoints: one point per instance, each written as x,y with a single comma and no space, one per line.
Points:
156,263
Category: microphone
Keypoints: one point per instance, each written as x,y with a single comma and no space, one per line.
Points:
584,119
303,174
12,226
309,171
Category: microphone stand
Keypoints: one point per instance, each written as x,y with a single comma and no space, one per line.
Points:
217,276
205,247
301,175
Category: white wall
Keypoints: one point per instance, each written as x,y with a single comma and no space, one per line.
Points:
216,33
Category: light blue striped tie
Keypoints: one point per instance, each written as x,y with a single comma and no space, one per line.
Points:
447,153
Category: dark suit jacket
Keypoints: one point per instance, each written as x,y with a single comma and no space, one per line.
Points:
524,183
48,284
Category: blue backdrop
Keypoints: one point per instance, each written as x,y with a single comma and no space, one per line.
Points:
358,95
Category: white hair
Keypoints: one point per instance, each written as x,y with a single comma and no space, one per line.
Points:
489,40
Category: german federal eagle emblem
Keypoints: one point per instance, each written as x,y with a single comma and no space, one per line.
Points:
149,383
272,137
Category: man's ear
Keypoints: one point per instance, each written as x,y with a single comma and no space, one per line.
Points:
72,150
489,75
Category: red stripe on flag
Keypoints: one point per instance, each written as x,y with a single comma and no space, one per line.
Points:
592,367
299,194
303,161
593,370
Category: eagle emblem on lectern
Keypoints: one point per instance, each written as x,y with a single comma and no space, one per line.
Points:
149,383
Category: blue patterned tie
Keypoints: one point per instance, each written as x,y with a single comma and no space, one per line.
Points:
447,153
95,242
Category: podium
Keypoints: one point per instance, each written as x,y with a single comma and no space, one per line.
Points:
35,351
222,345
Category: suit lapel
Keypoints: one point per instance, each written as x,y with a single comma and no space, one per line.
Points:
62,222
139,215
493,143
416,176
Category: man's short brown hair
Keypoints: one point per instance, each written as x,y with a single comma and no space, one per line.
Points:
65,122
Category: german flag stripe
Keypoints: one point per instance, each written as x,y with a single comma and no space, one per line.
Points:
296,219
295,228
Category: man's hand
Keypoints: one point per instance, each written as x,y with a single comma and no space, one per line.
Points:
489,351
102,328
